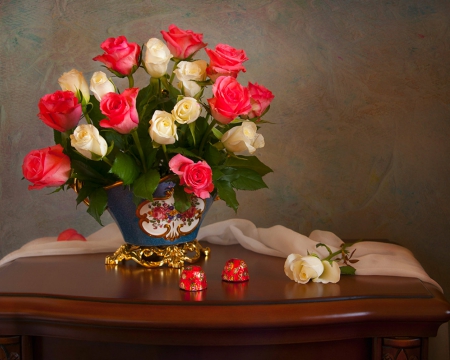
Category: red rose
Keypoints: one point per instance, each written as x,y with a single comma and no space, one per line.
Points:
230,100
182,43
120,110
120,56
197,177
60,110
260,99
46,167
225,61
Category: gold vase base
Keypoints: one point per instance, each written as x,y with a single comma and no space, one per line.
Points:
156,256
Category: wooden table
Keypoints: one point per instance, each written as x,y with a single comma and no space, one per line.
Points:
75,307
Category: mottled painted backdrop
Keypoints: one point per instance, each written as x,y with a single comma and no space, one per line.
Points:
360,144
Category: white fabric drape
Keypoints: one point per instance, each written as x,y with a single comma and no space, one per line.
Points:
375,258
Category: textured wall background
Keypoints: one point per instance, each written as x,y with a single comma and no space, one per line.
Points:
361,145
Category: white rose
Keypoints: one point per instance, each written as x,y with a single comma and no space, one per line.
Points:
241,138
87,141
186,110
190,88
188,71
74,81
301,269
331,273
163,129
156,58
191,70
101,85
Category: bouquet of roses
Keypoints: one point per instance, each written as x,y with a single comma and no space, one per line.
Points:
164,130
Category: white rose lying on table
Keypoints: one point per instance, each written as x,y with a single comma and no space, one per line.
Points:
301,269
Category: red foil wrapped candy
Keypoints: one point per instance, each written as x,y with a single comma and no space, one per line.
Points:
193,279
235,270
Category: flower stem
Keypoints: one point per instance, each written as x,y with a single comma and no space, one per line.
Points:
86,116
342,251
165,153
173,70
106,160
130,81
65,139
207,132
332,255
139,147
167,86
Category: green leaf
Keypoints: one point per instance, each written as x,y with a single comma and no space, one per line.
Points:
217,174
182,199
145,185
146,93
204,83
192,129
57,137
217,133
201,125
85,191
110,148
249,162
182,151
98,200
348,270
146,103
150,155
213,156
84,172
227,194
229,174
113,137
247,179
94,112
125,168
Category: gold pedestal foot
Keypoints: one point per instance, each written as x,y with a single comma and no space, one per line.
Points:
156,256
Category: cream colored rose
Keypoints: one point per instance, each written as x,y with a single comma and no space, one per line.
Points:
163,129
301,269
191,70
242,138
187,72
74,81
87,141
190,88
156,58
331,273
186,110
101,85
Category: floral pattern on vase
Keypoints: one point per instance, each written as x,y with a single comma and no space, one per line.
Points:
159,218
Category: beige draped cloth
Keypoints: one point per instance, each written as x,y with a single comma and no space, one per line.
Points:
375,258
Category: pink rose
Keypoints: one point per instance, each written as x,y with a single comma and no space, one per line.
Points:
120,110
120,56
197,177
178,163
260,99
230,100
60,110
46,167
69,235
182,43
225,61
